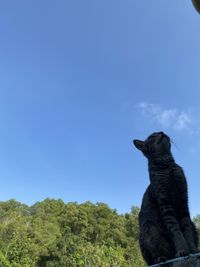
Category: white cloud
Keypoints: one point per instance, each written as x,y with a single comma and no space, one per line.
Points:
167,118
183,121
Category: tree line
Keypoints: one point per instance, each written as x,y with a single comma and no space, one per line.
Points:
54,234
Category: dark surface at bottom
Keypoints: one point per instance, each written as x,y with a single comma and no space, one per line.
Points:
189,261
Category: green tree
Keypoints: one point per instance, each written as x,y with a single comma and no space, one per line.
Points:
54,234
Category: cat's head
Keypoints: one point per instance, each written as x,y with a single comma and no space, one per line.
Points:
156,145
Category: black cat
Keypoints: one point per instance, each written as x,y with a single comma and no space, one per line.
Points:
166,230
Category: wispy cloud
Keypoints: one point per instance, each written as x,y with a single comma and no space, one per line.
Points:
168,118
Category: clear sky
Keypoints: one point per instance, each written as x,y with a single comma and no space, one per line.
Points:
79,80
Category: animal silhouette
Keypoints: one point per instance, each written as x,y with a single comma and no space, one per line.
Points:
166,230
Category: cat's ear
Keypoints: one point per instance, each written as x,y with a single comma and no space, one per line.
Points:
139,144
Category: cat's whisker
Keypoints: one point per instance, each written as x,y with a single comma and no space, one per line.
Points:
175,144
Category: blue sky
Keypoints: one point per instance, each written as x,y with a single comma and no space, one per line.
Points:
79,80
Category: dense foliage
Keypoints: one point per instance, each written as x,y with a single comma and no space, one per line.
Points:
54,234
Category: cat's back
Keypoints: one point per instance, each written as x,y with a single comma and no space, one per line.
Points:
178,191
170,184
171,178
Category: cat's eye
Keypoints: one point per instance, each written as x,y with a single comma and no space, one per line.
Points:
152,136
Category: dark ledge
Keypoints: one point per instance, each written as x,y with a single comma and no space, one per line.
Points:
192,260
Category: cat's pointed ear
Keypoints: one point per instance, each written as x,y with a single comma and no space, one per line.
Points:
139,144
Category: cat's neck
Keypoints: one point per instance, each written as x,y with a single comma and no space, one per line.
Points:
162,162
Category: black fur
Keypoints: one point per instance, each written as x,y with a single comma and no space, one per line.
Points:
166,230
